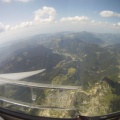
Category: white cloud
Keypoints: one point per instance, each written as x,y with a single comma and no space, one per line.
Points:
93,21
114,24
75,19
22,25
109,14
4,27
9,1
44,21
46,14
23,1
118,23
26,24
7,27
1,27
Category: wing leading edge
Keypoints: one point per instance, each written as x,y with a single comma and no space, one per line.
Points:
20,75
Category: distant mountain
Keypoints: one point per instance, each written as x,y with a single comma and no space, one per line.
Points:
23,57
89,38
109,38
59,51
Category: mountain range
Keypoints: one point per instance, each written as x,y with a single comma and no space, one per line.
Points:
89,60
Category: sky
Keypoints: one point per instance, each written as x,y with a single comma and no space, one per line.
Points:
23,18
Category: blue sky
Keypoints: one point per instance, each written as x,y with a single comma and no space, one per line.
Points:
31,16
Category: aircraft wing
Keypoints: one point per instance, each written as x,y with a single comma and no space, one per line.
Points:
20,75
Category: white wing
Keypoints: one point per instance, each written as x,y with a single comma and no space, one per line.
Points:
20,75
